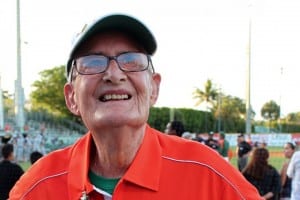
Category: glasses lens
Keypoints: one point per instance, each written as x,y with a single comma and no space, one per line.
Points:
91,64
133,62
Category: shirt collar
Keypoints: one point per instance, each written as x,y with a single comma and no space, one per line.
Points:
144,170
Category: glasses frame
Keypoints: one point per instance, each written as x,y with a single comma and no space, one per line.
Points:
109,59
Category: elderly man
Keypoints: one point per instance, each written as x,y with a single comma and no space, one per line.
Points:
111,86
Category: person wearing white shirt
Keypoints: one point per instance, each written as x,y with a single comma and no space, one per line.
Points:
293,172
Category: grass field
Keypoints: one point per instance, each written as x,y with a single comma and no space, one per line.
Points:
276,158
25,165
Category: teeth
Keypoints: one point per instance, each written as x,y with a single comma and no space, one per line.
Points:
115,97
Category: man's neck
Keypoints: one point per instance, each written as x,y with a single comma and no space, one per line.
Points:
115,152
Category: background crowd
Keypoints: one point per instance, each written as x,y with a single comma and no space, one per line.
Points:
252,162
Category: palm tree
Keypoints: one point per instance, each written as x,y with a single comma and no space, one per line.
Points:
207,97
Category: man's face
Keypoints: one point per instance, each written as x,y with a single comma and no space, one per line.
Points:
128,95
240,139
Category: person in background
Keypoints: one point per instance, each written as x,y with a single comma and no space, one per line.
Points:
293,172
112,85
243,151
199,138
38,143
175,128
27,147
224,146
286,182
4,140
34,156
263,175
9,172
19,148
263,144
211,142
187,135
249,139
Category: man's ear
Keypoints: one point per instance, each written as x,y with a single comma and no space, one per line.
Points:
156,78
70,99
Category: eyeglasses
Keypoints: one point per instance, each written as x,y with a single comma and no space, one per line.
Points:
127,62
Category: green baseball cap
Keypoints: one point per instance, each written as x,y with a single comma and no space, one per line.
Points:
119,22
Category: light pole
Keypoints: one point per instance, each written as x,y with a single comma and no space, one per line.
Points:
172,114
1,108
248,78
219,109
19,91
280,109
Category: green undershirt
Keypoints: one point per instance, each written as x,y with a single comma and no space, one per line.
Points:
106,184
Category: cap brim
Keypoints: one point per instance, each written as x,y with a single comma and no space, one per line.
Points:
123,23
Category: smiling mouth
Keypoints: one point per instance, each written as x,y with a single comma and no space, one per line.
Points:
114,97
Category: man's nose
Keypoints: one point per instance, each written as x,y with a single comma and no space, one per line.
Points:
113,72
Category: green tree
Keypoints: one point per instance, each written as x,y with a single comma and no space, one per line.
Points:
232,112
48,101
159,117
193,120
8,105
293,117
270,110
207,96
48,92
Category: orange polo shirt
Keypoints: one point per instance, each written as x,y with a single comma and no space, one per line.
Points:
165,167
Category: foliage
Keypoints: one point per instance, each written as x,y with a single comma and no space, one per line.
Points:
159,117
8,104
231,112
197,121
193,120
290,127
208,95
270,111
48,92
293,117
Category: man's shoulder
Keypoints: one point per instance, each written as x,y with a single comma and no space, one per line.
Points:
297,155
203,163
180,148
295,160
16,166
245,144
273,170
188,151
9,164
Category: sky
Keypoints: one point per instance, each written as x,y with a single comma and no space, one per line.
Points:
197,40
